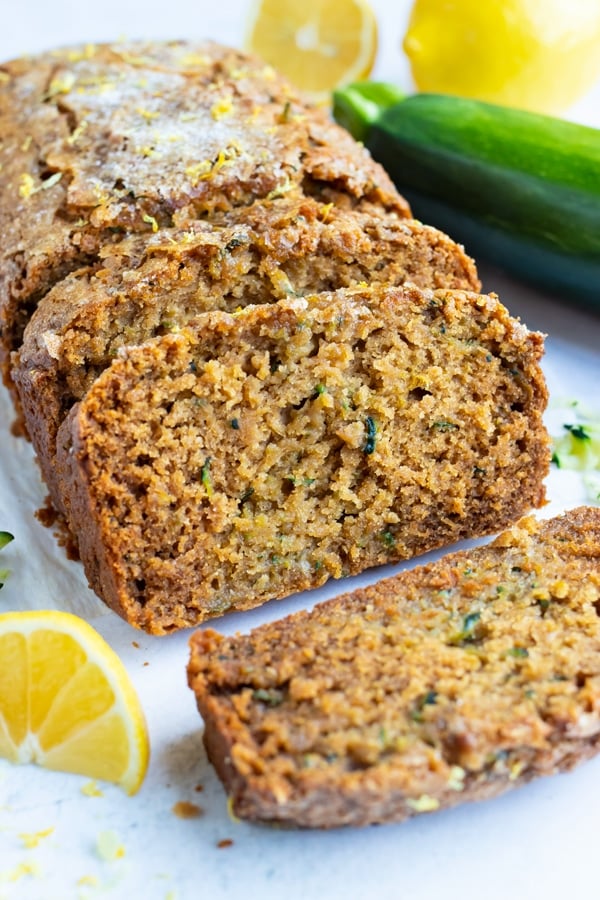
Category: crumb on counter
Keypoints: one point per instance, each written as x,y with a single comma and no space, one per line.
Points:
183,809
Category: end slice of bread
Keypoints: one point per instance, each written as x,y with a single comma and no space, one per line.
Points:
449,683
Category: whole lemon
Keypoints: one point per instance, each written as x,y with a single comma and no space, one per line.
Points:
540,55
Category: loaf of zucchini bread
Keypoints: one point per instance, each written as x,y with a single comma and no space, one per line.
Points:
254,454
159,203
453,682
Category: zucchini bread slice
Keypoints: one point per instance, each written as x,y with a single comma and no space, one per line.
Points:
146,286
453,682
256,454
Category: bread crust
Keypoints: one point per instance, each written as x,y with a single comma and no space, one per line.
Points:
453,682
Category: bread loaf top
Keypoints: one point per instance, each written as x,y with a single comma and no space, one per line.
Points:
98,141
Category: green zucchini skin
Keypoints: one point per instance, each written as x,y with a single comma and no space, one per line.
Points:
518,189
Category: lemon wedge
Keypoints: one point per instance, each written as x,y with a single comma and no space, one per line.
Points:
66,701
317,44
540,55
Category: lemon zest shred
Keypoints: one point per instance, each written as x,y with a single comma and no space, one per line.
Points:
205,169
222,108
132,60
456,781
230,811
150,220
239,73
198,171
32,839
424,803
515,769
20,870
256,111
88,52
91,789
26,186
193,59
61,84
74,137
284,188
147,114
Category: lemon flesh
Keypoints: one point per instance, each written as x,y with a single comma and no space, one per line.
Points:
317,44
66,701
540,55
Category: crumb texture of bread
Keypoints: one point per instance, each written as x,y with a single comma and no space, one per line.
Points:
145,286
257,454
449,683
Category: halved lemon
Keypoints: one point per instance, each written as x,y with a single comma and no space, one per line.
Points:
317,44
66,701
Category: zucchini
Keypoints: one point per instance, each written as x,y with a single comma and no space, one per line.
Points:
519,189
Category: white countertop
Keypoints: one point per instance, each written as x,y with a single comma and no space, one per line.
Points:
538,841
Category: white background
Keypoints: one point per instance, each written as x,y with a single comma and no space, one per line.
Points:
539,841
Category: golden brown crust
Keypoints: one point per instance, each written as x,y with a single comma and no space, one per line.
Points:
146,286
254,455
452,682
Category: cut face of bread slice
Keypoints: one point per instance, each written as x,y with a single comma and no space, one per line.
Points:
143,287
102,141
253,455
453,682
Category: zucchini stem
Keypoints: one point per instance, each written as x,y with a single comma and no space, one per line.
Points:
359,105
